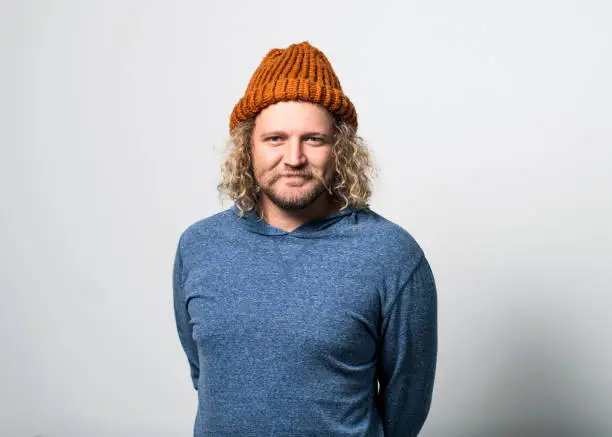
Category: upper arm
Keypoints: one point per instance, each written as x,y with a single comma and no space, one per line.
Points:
182,318
408,353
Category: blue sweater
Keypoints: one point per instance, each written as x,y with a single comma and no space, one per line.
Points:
287,333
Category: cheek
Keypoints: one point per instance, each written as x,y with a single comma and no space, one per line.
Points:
325,162
264,160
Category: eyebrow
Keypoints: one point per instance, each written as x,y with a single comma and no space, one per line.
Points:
283,134
273,134
314,134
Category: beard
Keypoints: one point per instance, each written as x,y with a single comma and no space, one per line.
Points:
293,202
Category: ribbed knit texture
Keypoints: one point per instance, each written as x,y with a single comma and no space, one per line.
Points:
286,333
299,72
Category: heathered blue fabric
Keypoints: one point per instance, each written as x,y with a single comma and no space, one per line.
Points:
286,333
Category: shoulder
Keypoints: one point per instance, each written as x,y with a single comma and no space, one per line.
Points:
396,253
388,239
205,229
392,251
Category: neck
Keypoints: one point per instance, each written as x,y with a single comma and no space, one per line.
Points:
289,220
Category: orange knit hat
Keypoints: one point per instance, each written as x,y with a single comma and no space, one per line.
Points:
299,72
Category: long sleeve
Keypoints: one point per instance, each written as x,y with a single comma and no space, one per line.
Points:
182,318
408,351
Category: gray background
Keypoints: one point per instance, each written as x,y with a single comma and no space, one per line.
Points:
490,123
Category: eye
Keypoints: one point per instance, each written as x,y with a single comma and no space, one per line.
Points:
274,139
315,140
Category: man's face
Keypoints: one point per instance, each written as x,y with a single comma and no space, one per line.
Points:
289,139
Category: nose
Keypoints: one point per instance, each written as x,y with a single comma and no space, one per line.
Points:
295,153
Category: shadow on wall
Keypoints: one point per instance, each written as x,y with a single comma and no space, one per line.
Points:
539,430
546,388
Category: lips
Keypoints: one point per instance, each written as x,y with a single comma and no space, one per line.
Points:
292,178
296,180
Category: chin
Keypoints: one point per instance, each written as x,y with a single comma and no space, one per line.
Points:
294,202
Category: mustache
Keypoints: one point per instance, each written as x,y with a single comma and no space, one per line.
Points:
306,174
298,174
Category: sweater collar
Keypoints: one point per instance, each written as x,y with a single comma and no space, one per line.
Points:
310,229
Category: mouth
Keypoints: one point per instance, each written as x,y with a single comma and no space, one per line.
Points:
296,180
296,177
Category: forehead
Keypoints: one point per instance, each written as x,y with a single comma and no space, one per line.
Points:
294,117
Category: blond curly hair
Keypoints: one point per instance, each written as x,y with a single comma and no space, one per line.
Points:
350,184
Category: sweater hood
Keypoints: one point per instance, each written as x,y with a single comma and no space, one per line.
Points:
315,228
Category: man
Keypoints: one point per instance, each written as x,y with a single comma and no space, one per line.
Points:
301,311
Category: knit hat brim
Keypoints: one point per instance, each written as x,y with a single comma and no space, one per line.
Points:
293,89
